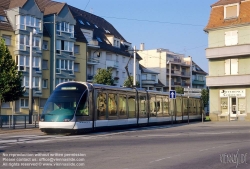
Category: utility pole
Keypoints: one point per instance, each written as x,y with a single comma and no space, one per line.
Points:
134,82
30,81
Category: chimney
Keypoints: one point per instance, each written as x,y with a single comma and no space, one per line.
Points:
142,46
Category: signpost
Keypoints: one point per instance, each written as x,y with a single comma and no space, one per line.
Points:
172,94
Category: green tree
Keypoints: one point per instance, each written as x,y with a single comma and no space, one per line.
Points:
179,90
104,76
205,96
127,82
10,78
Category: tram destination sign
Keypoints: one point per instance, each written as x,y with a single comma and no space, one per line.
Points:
233,93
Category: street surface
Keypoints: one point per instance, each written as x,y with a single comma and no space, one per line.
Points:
207,145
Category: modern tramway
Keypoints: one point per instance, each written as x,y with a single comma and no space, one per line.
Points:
81,106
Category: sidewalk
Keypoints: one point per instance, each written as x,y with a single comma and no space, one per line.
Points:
18,128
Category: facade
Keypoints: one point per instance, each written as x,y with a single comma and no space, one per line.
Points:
159,60
106,47
228,53
198,77
54,60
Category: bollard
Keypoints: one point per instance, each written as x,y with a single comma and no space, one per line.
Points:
202,116
24,121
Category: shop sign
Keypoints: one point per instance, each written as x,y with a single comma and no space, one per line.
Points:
233,93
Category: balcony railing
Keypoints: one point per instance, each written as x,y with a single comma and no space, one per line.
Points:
199,82
112,64
93,61
185,74
94,44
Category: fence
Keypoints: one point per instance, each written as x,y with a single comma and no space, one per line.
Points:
18,121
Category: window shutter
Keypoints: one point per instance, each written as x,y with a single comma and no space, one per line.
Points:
234,66
227,38
234,37
227,67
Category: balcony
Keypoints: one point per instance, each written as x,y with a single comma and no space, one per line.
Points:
233,80
112,64
220,52
187,74
93,44
198,82
148,81
93,61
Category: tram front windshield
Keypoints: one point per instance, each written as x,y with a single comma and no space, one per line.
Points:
62,104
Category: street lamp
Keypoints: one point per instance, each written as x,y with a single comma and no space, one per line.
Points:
30,78
169,88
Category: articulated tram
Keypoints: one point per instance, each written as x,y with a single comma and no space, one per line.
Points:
80,106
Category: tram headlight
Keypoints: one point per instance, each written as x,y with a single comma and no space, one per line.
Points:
66,120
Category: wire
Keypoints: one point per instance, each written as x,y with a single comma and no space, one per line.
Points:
86,5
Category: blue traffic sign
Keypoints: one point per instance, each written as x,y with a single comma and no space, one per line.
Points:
172,94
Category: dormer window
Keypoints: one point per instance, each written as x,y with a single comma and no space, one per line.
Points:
3,19
116,43
81,22
231,11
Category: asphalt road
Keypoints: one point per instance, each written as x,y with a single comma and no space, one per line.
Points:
195,146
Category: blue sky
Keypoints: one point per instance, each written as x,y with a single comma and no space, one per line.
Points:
176,25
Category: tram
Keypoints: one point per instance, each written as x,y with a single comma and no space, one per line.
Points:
80,106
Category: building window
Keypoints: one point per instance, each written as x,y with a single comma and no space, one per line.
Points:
45,83
65,27
81,22
71,67
231,38
231,66
24,103
26,81
76,67
36,82
45,45
23,21
61,80
123,74
231,11
3,18
45,64
76,49
42,102
7,40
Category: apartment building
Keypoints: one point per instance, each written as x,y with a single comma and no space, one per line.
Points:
198,76
159,60
54,43
106,47
228,54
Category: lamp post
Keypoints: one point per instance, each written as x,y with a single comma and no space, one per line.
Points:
31,78
169,88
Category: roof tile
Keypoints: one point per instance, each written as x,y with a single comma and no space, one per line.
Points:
17,3
217,20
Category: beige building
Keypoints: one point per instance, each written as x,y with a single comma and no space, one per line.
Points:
228,53
159,60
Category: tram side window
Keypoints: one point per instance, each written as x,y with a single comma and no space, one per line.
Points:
152,106
185,107
83,107
101,105
143,112
178,106
131,106
122,105
158,106
165,106
112,105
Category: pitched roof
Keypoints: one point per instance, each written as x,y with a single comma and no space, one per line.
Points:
198,69
54,9
99,26
217,20
226,2
4,4
146,70
17,3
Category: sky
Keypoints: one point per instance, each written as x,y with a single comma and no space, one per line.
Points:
176,25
